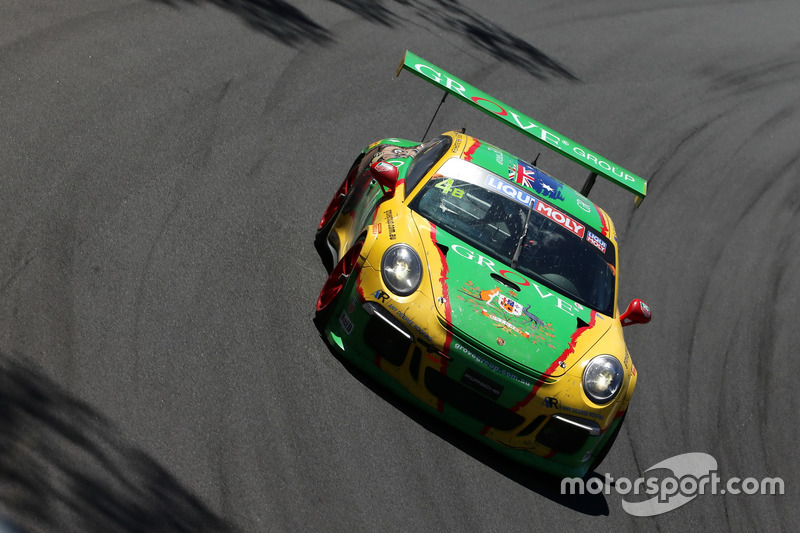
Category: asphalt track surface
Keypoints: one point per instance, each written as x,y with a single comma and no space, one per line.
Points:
163,166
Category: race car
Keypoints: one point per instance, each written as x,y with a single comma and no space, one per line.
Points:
482,289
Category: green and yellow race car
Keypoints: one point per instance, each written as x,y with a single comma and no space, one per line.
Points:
477,286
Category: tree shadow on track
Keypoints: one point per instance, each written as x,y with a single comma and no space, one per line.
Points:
63,467
276,18
449,15
541,483
280,20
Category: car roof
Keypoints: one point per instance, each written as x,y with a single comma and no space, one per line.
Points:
547,188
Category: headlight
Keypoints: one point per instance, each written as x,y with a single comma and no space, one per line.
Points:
602,378
401,269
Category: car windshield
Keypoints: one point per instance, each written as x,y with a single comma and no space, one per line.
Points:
520,230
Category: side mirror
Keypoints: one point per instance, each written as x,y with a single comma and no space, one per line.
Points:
385,174
638,312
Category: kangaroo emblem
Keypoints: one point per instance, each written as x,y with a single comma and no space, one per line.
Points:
488,296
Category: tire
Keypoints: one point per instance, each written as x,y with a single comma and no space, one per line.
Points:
607,446
337,279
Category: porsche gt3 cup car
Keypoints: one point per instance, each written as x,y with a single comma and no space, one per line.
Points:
481,288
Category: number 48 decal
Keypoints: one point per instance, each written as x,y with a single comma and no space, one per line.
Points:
447,188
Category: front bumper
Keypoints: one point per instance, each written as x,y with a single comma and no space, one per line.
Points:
536,420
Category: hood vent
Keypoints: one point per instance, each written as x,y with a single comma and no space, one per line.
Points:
508,283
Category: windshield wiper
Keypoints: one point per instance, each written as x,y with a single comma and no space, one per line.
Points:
518,250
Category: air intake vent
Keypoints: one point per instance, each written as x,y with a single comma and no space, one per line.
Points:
470,402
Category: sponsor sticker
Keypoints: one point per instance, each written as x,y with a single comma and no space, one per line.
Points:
506,189
596,241
346,323
560,218
489,364
390,224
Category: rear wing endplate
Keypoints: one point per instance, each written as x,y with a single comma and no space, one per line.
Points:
596,163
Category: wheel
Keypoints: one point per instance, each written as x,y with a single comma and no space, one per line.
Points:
607,445
336,281
330,215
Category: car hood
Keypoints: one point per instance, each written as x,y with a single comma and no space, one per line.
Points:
523,321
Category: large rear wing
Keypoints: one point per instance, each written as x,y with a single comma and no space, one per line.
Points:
597,164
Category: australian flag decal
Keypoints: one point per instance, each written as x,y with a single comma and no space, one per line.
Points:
529,176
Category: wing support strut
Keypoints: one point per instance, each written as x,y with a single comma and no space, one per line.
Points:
444,97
